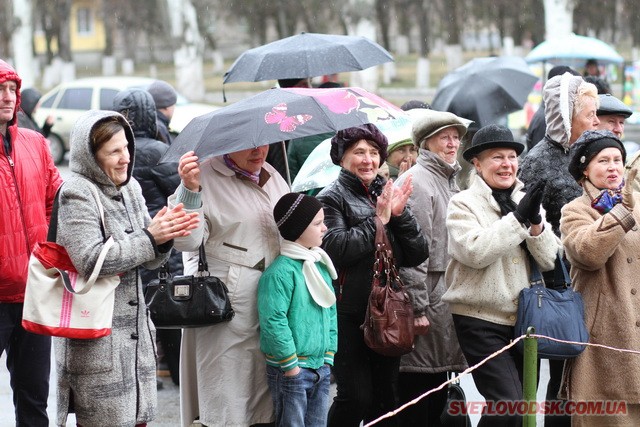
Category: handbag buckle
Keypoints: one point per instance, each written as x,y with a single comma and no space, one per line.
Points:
181,291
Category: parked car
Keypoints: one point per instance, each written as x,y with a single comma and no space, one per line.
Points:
68,100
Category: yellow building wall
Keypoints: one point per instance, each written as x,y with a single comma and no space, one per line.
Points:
80,42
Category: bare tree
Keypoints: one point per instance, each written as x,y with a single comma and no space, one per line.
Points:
7,26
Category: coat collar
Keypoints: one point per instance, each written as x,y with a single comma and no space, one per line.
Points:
432,161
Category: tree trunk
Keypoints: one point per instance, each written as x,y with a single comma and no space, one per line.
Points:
22,41
558,18
188,55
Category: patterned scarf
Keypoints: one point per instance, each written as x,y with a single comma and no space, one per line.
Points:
255,177
607,199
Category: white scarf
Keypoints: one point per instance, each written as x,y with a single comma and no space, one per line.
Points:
320,291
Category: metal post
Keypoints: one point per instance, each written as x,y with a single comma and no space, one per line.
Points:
530,380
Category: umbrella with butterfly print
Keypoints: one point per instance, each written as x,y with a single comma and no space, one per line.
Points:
278,115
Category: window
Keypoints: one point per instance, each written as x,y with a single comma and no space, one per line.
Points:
85,21
76,99
106,98
48,102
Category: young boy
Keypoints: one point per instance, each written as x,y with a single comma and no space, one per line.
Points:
298,323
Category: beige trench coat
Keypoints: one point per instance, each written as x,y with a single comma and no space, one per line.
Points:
222,370
604,252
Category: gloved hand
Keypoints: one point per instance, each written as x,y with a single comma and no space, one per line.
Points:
529,207
627,190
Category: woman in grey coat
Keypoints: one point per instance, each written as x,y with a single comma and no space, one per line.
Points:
111,381
437,134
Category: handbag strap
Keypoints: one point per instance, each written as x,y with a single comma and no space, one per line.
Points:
203,266
535,277
562,280
384,259
52,234
103,253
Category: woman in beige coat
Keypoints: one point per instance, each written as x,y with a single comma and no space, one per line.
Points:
223,378
600,234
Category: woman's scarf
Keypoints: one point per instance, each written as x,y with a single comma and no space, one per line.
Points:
255,177
607,199
504,200
320,291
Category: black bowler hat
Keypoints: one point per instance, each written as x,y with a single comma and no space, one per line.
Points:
492,136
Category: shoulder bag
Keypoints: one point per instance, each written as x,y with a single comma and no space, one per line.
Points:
454,413
388,325
556,312
59,302
188,301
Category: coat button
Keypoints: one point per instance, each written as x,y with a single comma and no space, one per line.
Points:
133,302
512,317
638,323
134,336
629,260
634,291
515,260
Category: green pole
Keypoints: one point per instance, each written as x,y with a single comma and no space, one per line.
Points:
530,381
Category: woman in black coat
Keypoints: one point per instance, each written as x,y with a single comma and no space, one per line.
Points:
367,381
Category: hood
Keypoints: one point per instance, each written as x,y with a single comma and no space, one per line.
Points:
30,98
560,94
81,159
8,73
137,106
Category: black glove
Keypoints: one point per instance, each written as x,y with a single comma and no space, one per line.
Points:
529,207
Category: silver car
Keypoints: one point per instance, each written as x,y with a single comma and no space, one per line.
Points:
68,100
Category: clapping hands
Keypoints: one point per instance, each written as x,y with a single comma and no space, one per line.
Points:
393,199
529,207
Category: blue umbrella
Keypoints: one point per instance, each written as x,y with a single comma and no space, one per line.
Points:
573,50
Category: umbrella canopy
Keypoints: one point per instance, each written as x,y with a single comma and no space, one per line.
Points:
278,115
306,55
573,50
318,170
485,89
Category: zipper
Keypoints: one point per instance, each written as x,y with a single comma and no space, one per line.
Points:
20,206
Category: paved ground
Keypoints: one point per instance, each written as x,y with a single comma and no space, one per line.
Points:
169,399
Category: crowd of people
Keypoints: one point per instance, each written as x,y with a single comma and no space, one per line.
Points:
299,268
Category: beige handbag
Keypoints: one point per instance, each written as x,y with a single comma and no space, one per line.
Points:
59,302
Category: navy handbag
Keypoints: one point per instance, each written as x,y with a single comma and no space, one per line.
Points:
556,312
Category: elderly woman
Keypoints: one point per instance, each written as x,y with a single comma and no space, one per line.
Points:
570,109
401,155
366,380
223,378
437,134
599,232
494,231
111,381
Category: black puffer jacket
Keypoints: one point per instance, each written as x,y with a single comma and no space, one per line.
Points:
158,181
548,162
349,209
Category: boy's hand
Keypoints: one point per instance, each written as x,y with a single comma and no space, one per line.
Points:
293,372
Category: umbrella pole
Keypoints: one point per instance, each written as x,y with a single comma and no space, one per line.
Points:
286,162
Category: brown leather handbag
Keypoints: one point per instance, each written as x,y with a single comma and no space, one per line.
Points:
388,325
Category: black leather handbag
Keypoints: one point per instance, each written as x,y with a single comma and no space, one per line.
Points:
188,301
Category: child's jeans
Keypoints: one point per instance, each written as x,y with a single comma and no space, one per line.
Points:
301,400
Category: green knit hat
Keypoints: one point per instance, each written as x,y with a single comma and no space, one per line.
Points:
397,145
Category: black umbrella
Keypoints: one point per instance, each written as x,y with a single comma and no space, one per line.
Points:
306,55
485,89
278,115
